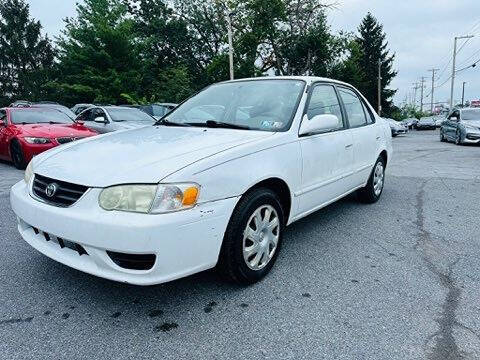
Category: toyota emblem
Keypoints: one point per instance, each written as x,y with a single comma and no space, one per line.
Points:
51,190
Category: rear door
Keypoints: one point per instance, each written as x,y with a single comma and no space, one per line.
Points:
327,157
366,134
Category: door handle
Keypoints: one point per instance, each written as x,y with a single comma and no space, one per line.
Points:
348,146
378,137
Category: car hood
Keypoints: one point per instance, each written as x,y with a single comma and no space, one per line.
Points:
472,122
55,130
145,155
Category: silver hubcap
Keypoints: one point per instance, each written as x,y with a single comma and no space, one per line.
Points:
378,177
260,238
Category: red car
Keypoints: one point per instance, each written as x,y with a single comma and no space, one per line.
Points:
26,132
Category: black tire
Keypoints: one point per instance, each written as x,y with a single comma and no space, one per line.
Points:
231,264
458,138
442,138
18,158
367,194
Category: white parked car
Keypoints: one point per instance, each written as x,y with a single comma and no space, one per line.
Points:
154,204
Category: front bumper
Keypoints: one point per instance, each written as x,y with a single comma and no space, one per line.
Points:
183,242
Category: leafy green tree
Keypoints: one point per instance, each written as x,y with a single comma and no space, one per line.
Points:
26,56
374,48
98,59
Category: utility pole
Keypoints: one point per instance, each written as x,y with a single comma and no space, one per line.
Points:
433,87
415,88
422,86
463,93
453,66
379,87
230,43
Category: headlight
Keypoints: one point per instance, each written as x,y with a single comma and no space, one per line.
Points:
154,199
28,173
37,140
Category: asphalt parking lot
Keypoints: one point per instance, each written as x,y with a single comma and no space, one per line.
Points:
396,280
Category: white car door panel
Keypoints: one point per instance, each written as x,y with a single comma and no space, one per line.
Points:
366,135
328,157
327,168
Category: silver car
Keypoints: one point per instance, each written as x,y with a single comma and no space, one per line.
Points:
104,119
462,126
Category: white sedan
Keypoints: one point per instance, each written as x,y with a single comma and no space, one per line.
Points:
214,183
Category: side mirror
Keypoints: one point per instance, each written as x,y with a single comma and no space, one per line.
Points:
100,119
319,123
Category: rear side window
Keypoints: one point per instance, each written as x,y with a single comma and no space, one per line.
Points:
368,113
353,108
3,116
324,100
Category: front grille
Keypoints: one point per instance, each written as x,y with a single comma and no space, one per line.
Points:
64,193
133,261
66,140
61,242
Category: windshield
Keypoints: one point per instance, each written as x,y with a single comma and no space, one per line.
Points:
46,116
473,114
61,108
267,105
129,114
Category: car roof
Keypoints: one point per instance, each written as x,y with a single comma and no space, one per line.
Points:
307,79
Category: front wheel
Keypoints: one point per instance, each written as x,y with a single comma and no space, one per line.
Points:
442,137
458,138
374,188
253,238
18,158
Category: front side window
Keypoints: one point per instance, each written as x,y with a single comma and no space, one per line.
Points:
39,116
129,114
353,108
267,105
323,101
85,116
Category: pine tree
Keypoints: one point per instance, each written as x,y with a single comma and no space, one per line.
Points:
98,57
374,47
26,56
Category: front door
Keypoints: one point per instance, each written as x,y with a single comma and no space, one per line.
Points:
327,157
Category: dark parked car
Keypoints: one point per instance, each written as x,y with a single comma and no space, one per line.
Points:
426,123
462,126
410,123
156,110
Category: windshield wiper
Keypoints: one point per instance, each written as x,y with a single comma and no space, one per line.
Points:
220,124
166,122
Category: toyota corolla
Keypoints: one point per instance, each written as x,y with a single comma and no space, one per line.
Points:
212,184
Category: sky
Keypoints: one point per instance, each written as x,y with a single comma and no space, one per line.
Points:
420,32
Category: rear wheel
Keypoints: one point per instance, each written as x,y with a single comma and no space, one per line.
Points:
18,158
374,188
253,237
